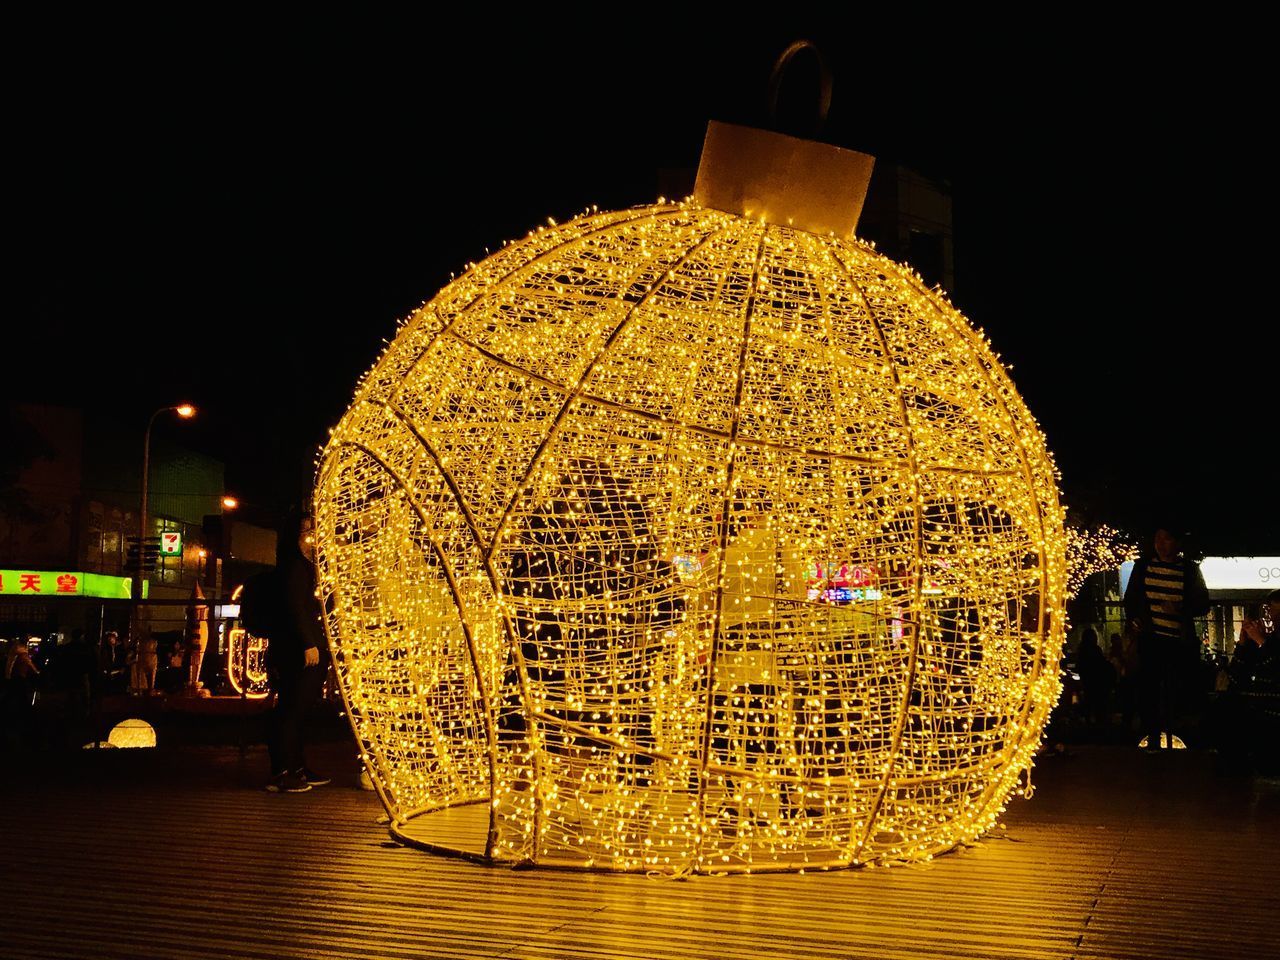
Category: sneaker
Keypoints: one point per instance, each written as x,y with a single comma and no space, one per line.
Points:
287,783
311,778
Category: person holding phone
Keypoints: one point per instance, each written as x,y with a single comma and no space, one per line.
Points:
1257,653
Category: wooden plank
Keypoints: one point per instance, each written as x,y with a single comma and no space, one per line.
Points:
180,855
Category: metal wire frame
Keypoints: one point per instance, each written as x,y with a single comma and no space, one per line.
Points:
499,288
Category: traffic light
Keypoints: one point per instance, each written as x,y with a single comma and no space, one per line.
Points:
150,553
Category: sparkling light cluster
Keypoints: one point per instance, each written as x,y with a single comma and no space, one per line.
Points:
1101,548
690,543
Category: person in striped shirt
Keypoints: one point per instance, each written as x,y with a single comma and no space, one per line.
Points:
1166,593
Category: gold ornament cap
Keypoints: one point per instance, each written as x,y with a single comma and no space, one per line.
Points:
784,180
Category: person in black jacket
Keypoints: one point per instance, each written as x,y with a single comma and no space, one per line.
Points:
297,654
1166,593
1257,654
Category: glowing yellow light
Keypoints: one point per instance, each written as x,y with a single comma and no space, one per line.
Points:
132,734
247,662
1094,551
1178,743
230,503
186,411
687,542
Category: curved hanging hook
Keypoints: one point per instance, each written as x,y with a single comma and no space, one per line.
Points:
824,75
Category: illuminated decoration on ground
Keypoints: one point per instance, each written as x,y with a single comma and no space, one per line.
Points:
247,657
1178,743
132,733
1094,551
569,540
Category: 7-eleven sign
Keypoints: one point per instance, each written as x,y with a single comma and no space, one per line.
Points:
171,544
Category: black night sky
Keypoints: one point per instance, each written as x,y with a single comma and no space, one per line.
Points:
237,213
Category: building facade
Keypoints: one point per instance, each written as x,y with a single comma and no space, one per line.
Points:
69,505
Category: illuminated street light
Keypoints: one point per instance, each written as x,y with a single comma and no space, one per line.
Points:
230,503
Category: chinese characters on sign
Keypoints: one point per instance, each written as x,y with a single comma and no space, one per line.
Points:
62,583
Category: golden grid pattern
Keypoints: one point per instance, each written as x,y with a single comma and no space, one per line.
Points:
691,543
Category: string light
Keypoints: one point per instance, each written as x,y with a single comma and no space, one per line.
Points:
688,542
1096,550
247,664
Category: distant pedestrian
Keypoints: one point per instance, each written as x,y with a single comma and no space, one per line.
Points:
78,666
77,671
174,677
1124,659
17,697
132,666
146,663
1097,678
1165,595
111,663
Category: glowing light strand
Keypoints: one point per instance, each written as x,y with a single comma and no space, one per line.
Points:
670,591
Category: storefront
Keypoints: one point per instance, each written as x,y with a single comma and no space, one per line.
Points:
44,608
1237,588
44,604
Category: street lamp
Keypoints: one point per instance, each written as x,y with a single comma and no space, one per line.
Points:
230,503
186,411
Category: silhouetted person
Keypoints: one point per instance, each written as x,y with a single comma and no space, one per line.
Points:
1166,593
69,677
1124,660
175,666
282,606
588,542
78,667
1247,730
111,663
1257,654
18,694
1097,677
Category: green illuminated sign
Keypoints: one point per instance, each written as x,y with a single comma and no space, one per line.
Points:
65,583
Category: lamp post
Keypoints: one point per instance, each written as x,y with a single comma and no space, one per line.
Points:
186,411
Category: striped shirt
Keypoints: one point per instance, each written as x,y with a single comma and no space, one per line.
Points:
1164,593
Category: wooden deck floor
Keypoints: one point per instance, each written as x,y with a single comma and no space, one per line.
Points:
153,854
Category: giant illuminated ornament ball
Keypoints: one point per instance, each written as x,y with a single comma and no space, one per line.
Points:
695,537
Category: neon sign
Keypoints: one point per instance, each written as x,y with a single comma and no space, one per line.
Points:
64,583
247,664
